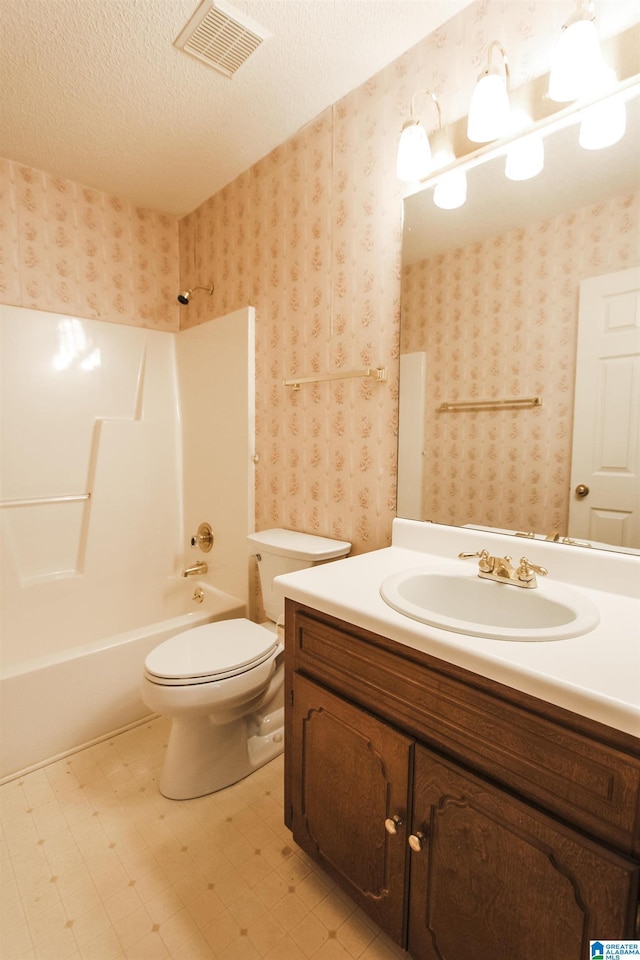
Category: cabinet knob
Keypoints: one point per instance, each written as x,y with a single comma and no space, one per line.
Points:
416,841
391,824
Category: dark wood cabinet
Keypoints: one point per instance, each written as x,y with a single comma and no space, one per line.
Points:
454,854
496,877
352,775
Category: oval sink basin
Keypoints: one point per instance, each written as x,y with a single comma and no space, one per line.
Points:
483,608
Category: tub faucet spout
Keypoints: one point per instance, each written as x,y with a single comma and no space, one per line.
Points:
199,567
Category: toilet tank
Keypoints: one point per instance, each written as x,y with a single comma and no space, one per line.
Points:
281,551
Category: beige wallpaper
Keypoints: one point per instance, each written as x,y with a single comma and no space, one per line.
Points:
499,319
311,237
68,249
304,237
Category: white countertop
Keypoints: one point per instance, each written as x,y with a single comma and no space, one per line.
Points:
596,675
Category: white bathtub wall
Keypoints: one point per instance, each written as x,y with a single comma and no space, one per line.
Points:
86,587
216,373
86,407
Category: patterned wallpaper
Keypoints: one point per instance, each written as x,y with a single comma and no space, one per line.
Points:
310,236
68,249
304,237
499,319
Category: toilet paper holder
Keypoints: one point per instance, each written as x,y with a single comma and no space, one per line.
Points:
203,538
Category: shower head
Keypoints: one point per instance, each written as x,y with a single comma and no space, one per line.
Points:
185,295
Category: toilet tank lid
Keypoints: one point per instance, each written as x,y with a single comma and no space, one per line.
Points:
300,546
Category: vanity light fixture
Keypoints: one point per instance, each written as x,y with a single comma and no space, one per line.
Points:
414,150
489,111
446,164
577,57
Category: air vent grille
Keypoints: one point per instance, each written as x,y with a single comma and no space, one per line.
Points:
221,37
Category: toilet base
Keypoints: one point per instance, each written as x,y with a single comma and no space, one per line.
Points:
203,757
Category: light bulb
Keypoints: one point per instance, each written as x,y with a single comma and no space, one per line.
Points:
525,157
451,190
574,62
602,125
489,109
414,152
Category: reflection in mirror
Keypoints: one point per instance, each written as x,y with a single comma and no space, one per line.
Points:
491,307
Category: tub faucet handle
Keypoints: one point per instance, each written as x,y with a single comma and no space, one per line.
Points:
203,538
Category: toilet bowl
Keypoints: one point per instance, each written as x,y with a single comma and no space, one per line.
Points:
221,684
212,682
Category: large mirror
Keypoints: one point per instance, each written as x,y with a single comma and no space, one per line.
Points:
493,297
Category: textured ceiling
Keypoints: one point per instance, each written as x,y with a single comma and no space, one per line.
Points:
95,91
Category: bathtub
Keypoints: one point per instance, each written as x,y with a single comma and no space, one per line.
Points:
53,705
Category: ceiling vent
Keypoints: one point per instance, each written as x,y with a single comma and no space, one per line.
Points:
221,36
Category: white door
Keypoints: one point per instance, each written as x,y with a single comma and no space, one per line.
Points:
605,473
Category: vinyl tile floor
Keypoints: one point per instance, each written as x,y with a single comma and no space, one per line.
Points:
95,864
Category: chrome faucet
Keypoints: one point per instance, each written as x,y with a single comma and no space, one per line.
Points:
501,570
198,567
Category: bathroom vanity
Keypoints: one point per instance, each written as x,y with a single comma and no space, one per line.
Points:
471,797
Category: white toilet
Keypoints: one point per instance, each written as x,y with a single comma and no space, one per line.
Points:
222,683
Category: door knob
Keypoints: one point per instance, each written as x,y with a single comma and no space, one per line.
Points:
391,824
582,490
416,841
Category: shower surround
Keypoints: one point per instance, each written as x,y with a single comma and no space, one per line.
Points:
101,425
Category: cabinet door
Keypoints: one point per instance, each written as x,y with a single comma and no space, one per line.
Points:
497,878
349,774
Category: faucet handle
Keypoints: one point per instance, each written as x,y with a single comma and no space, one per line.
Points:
527,570
486,562
203,538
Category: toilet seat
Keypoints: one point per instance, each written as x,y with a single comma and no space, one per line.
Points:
213,651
